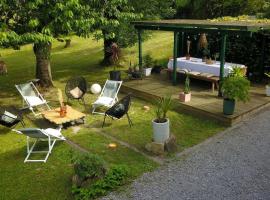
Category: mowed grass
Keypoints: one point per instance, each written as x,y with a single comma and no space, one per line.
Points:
52,180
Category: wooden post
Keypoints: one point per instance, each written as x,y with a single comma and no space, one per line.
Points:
175,50
222,62
140,48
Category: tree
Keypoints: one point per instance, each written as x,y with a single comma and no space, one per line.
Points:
115,17
39,22
202,9
112,13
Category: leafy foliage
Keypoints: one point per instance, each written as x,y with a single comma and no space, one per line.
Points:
236,88
115,177
203,9
40,21
88,165
148,61
162,107
236,72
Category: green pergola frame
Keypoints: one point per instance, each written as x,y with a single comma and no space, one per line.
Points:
182,26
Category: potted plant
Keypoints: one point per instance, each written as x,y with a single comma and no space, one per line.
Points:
115,56
185,96
267,87
148,64
234,88
161,124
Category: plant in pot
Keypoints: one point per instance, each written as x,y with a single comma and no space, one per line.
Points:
234,88
185,96
148,63
267,87
161,124
115,51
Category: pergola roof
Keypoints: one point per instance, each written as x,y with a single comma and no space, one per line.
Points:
203,25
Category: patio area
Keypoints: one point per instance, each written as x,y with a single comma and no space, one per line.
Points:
204,102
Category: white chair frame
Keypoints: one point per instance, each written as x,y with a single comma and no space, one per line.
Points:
29,106
30,149
114,99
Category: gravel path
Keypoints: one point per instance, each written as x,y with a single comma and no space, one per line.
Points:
233,165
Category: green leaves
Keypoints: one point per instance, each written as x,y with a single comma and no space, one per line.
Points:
236,88
162,107
41,21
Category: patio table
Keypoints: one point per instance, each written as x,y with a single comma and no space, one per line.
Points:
196,64
72,116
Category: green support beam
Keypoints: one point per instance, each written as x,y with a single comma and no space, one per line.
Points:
180,50
262,58
175,50
140,48
222,62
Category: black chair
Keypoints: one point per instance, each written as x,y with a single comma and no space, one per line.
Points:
119,109
11,117
72,83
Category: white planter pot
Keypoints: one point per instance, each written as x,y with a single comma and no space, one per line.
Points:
161,131
267,90
147,71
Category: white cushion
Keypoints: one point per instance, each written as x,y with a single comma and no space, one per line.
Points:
10,115
106,101
34,101
76,92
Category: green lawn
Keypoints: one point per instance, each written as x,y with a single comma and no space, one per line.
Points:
53,179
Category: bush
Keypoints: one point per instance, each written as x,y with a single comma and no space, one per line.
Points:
236,88
115,177
148,61
88,165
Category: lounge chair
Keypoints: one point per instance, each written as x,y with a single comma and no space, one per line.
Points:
31,96
119,109
50,135
10,117
108,95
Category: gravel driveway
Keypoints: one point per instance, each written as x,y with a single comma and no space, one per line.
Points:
232,165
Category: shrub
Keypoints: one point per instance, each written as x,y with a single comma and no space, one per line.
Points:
236,88
88,165
163,106
148,61
115,177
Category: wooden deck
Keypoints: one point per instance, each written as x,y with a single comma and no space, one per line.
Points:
204,102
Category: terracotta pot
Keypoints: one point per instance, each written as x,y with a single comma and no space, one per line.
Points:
187,57
184,97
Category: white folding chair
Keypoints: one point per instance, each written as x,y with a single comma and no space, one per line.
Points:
50,135
108,95
31,97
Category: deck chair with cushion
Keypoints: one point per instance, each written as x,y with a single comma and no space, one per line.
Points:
49,134
119,109
108,95
10,117
31,97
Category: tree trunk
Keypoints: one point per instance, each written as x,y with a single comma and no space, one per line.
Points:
68,42
107,52
43,69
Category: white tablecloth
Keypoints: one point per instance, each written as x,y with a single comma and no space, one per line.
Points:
196,64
